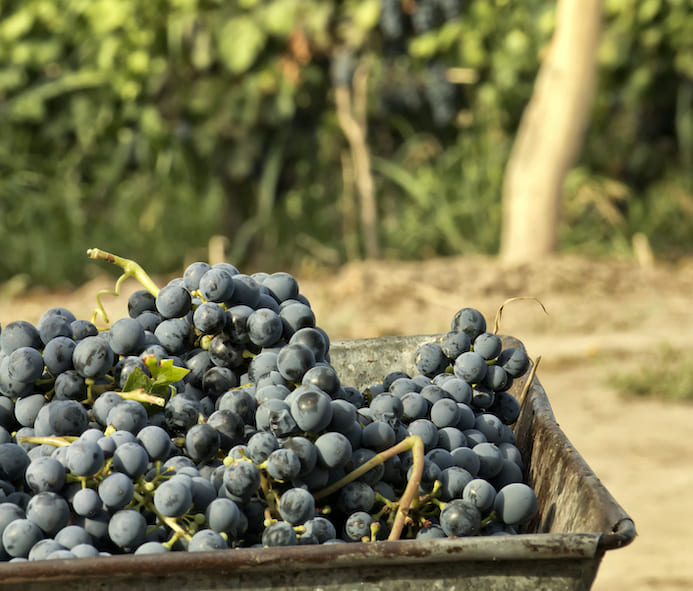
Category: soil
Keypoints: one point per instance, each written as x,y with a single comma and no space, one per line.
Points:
599,318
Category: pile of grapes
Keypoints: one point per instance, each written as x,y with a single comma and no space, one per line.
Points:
212,418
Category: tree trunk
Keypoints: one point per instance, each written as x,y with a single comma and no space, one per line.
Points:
550,135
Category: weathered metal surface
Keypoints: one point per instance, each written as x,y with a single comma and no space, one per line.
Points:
577,521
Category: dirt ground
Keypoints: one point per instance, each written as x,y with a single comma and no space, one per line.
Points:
604,317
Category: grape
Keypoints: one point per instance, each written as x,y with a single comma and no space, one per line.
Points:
515,503
496,378
19,333
129,416
470,367
430,532
172,498
441,457
509,473
82,329
116,490
312,410
469,321
323,376
480,493
445,413
488,345
295,316
126,337
261,445
358,526
93,357
49,511
453,482
61,417
246,291
460,518
334,450
414,406
450,438
149,320
378,436
262,364
482,397
206,540
57,354
224,516
73,535
464,457
45,474
427,431
321,528
84,458
241,479
279,533
455,343
294,360
283,286
296,505
217,285
193,273
202,442
25,364
131,459
173,301
265,327
174,334
180,414
514,361
224,352
126,528
42,549
283,465
86,502
84,551
239,401
506,407
430,360
306,452
356,496
125,367
140,301
26,409
20,536
209,318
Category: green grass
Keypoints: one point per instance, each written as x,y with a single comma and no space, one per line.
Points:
666,374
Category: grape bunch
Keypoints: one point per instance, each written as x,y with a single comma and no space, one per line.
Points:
211,417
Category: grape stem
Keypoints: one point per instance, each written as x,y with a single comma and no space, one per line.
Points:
130,269
413,443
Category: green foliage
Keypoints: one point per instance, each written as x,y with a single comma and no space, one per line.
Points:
145,127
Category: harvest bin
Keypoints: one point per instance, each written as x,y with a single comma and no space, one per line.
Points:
576,523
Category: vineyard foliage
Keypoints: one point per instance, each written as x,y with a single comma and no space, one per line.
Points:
147,126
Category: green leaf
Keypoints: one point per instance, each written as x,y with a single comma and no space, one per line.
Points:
165,373
240,42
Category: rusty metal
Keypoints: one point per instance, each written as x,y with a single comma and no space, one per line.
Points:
577,522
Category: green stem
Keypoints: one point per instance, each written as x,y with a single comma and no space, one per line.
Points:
48,439
141,396
404,445
130,268
411,489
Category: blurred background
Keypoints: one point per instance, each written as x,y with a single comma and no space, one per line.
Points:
395,155
317,132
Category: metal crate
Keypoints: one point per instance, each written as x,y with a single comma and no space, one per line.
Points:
577,522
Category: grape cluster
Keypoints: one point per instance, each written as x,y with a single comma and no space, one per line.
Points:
211,417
